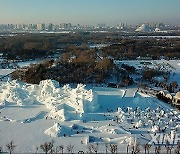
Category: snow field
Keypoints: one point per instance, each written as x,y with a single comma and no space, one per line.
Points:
31,115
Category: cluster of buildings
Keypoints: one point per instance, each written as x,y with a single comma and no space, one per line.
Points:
40,26
46,27
144,27
156,27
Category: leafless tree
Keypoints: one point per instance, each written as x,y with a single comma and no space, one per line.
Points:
52,145
11,147
113,148
146,148
135,148
95,148
47,146
157,149
36,150
177,149
106,145
1,150
70,148
61,147
90,148
168,147
127,149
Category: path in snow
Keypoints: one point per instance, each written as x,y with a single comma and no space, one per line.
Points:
131,92
39,116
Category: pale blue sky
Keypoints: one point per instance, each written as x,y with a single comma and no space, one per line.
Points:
89,11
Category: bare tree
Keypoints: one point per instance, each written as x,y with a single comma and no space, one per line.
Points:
11,147
146,148
157,149
61,147
95,148
70,148
127,149
168,147
1,150
106,145
47,146
177,149
90,148
52,145
57,150
113,148
36,150
135,148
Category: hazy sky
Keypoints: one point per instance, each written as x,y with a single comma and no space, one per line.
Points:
89,11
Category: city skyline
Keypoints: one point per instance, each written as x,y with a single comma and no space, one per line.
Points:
89,12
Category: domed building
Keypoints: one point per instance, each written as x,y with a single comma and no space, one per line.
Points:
157,29
143,28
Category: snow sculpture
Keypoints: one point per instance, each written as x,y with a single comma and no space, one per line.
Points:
64,103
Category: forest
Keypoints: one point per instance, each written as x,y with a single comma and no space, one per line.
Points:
81,65
78,62
120,46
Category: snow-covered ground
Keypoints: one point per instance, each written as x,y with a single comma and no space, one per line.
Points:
165,65
4,75
27,63
4,72
169,37
31,115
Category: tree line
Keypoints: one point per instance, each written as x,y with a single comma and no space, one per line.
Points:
136,148
32,46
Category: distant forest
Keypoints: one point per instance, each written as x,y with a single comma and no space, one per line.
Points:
32,46
78,66
77,62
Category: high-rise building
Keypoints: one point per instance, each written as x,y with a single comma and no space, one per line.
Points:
19,26
56,27
65,26
50,27
41,27
30,26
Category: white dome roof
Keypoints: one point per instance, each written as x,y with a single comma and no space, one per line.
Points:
157,29
143,28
